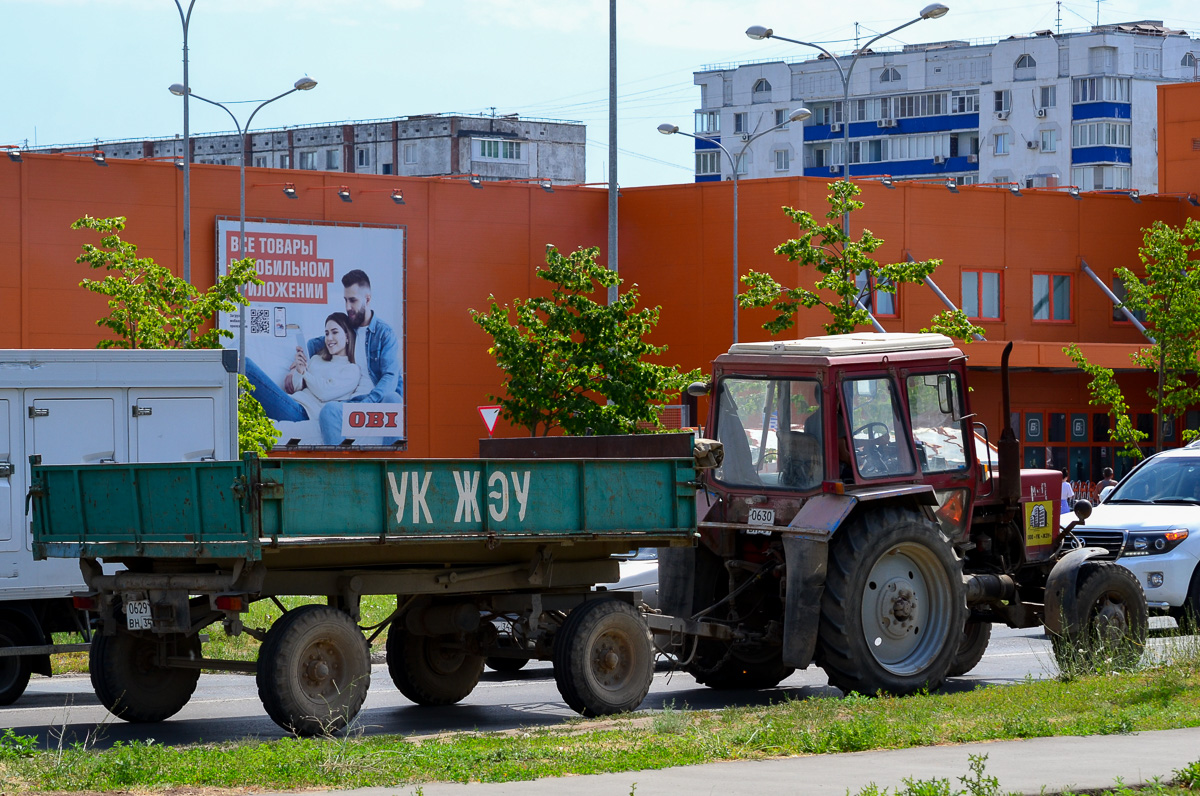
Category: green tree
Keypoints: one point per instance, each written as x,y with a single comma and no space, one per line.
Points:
840,260
150,307
572,363
1169,299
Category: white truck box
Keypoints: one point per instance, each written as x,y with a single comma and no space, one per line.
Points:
72,406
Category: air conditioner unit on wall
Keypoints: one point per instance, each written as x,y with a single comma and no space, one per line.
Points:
834,169
1041,113
836,127
1031,144
1002,115
886,123
938,160
972,158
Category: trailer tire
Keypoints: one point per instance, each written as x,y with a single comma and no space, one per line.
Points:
506,665
14,672
1111,624
314,669
131,685
603,658
893,605
431,670
971,647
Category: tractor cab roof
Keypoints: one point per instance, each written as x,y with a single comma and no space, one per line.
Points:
847,349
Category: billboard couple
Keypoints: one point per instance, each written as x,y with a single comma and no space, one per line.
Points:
356,360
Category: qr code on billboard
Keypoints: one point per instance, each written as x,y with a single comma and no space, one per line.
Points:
260,321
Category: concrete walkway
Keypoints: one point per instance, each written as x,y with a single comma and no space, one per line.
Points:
1042,765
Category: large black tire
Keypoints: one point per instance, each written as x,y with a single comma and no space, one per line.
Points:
131,685
431,670
971,647
314,669
1111,622
718,664
506,665
894,604
14,672
603,658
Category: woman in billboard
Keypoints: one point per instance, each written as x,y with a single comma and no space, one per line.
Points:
330,374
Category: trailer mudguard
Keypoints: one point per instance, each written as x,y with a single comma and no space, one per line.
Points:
677,580
1060,589
806,551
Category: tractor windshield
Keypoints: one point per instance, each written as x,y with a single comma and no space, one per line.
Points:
771,430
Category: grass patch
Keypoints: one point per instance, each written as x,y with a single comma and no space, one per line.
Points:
1163,697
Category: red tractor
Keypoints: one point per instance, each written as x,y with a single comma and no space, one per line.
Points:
857,521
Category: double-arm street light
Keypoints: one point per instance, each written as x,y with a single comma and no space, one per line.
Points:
759,32
798,115
185,19
303,84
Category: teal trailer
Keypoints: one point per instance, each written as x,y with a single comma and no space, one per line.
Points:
488,559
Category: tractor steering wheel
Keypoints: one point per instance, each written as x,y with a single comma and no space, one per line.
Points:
871,461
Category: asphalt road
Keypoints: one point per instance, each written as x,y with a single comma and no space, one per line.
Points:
63,709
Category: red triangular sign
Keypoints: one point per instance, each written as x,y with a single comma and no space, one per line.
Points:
489,414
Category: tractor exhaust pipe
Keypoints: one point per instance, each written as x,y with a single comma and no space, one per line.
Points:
1009,448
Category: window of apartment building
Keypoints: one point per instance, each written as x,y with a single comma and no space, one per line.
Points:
964,101
913,105
1049,140
881,304
981,297
308,161
782,158
708,162
781,118
966,179
742,163
741,123
1101,134
1102,178
285,162
761,91
385,168
889,74
1002,143
1100,89
727,91
510,150
1048,96
1118,289
828,114
260,161
410,154
1189,60
1023,69
964,144
364,157
1001,101
708,121
1052,297
332,159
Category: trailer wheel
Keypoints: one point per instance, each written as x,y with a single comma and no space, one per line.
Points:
971,646
1111,622
506,665
431,670
15,671
603,658
132,685
314,670
894,604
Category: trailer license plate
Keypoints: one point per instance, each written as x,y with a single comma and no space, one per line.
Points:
137,615
762,517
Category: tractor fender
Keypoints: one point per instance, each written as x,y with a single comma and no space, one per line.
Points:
1061,586
806,552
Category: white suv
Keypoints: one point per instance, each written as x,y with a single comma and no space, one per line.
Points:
1150,523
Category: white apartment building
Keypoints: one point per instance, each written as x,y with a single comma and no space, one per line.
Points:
1041,110
494,147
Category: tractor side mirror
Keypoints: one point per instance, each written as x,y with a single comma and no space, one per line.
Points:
697,389
945,395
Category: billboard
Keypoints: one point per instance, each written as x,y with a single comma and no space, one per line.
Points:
325,333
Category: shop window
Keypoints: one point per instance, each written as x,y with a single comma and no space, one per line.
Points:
1052,297
881,304
981,297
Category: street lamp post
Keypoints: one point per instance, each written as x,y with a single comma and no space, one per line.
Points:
185,18
798,115
303,84
759,32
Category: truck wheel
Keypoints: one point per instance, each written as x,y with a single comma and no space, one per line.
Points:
14,672
893,605
719,665
1112,622
132,685
431,670
506,665
971,647
314,670
603,658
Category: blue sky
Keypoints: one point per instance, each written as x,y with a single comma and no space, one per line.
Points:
76,70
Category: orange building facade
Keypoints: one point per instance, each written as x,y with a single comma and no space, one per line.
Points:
464,244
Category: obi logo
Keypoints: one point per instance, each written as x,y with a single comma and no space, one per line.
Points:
372,419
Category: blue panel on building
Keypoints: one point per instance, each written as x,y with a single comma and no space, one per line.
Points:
707,143
907,168
708,178
923,124
1101,110
1100,154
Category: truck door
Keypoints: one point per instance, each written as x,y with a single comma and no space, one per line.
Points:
10,480
173,429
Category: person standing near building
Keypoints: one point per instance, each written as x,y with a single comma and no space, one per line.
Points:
1107,480
1068,493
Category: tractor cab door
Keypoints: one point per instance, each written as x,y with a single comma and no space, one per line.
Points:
944,442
